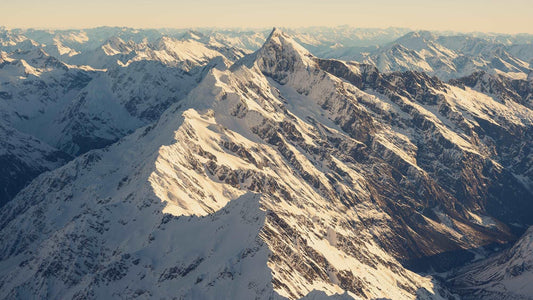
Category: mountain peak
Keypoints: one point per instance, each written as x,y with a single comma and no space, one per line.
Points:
115,45
285,41
115,41
417,40
421,34
164,42
281,55
192,35
275,32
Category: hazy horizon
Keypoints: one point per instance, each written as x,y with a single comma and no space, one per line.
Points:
265,28
509,17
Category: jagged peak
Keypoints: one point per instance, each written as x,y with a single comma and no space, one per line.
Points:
192,35
24,42
168,41
163,42
280,55
116,45
33,52
33,61
420,34
173,44
36,58
114,40
417,40
275,32
280,38
400,47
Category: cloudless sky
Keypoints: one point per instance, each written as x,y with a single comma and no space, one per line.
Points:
510,16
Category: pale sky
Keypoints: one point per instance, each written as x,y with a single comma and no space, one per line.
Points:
510,16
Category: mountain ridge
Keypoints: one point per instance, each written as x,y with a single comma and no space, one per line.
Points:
335,172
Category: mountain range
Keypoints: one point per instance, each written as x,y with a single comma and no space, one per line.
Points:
226,164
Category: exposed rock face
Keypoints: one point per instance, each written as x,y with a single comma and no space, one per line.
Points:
504,88
504,143
283,176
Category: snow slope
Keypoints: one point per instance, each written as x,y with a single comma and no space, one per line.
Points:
449,57
504,276
202,159
22,158
77,108
283,175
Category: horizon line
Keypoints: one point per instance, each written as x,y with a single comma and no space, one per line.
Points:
258,28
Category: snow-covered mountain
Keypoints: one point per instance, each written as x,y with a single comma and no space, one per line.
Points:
22,158
503,87
116,102
449,56
505,276
280,176
70,42
78,108
34,87
445,54
183,53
